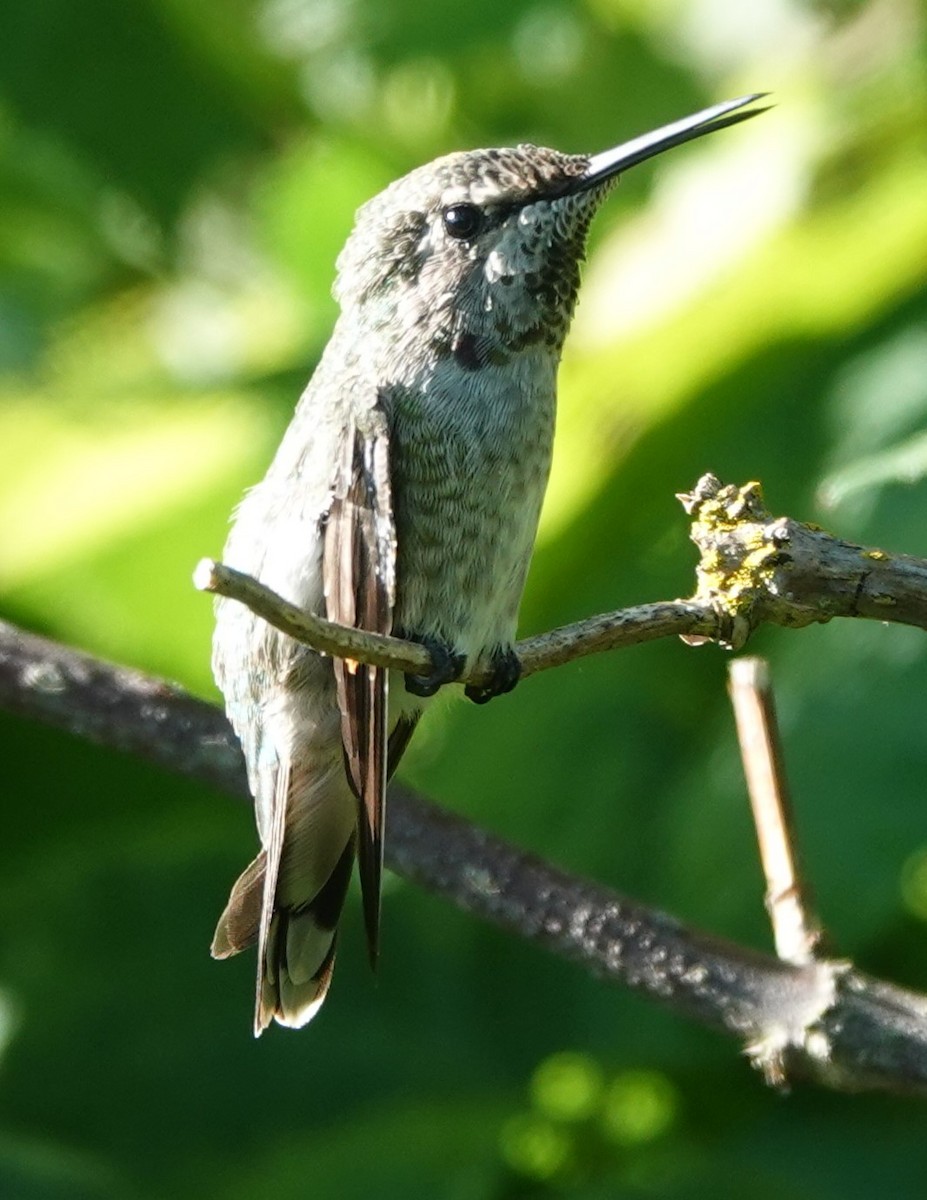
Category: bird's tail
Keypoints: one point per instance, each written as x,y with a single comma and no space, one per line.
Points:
300,948
238,925
289,899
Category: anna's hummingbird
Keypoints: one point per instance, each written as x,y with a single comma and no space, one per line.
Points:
404,497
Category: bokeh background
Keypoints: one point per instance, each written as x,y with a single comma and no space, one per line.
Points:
176,178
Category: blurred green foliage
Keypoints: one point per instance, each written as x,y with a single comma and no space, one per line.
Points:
175,181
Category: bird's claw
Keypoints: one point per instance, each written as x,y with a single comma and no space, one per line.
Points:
446,667
505,668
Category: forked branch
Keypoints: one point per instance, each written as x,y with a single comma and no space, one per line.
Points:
754,568
797,1015
824,1021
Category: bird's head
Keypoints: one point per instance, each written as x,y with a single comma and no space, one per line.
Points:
482,249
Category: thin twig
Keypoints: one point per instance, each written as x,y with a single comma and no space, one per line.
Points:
628,627
754,568
796,930
328,637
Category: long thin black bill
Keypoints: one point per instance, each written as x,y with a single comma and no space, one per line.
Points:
611,162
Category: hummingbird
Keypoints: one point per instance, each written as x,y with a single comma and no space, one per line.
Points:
404,498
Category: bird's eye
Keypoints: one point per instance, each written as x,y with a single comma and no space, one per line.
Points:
463,221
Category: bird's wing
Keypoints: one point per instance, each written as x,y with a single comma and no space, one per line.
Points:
359,574
273,850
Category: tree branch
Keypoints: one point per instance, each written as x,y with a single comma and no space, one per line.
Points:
796,930
818,1018
822,1020
610,631
754,568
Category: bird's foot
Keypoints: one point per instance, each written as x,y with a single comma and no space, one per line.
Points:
505,668
446,666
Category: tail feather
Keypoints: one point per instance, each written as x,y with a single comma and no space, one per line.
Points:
237,928
300,946
297,972
310,837
300,953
